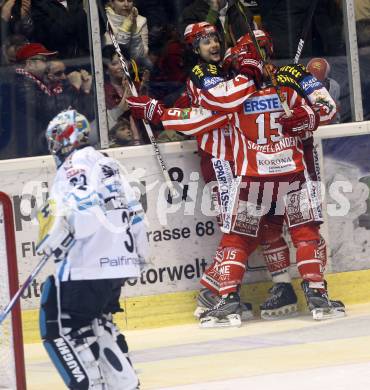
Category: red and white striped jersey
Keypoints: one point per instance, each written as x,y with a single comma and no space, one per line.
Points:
259,146
265,150
226,96
212,130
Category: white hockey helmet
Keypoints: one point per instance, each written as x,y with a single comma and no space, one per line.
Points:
68,131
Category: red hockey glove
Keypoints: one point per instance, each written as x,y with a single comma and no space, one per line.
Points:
303,119
250,64
144,107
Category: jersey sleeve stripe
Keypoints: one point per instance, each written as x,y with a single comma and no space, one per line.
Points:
215,143
195,125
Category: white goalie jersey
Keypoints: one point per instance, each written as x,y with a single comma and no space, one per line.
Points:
106,219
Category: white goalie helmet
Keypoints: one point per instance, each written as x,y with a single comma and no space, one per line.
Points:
68,131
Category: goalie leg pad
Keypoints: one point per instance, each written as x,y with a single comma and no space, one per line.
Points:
75,359
117,369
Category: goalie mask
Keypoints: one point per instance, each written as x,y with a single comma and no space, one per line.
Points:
68,131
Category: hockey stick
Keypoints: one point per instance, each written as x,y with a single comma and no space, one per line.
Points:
268,71
174,193
25,285
305,30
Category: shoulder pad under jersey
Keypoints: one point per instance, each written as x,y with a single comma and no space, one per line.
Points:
206,76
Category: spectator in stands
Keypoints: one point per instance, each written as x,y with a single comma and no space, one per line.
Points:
120,134
362,9
130,29
285,19
26,104
116,88
75,88
363,41
61,26
10,47
15,19
161,12
169,71
320,68
228,16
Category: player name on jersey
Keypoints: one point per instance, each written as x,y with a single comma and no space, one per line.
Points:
284,143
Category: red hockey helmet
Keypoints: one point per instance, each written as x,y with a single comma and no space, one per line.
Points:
263,39
195,31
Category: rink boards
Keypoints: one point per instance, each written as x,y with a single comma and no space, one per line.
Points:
183,234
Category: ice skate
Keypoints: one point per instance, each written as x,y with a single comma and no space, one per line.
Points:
281,303
320,305
207,299
225,313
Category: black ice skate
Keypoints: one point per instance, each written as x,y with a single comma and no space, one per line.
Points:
281,303
319,304
207,300
225,313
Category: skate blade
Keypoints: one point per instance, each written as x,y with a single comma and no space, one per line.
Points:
322,314
245,315
283,312
199,311
230,321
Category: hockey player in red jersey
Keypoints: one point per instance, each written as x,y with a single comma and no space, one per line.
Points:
217,144
214,147
267,147
272,153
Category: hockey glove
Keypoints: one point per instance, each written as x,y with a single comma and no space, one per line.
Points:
304,118
144,107
249,63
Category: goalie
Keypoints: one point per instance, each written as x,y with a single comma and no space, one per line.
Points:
93,228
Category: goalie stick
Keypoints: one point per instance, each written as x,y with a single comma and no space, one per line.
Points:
52,230
25,285
174,193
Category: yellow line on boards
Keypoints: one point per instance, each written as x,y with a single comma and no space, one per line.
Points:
177,308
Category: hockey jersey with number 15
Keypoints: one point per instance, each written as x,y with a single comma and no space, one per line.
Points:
259,146
106,218
265,149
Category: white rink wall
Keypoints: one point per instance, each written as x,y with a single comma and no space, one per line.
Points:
183,235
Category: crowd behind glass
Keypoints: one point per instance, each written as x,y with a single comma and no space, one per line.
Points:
46,66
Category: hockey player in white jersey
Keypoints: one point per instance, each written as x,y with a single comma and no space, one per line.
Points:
92,227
